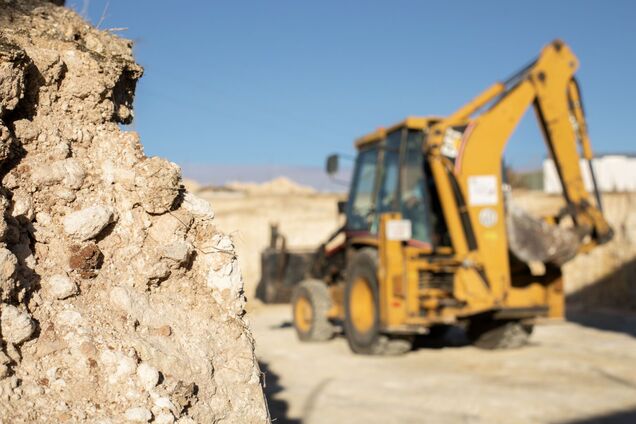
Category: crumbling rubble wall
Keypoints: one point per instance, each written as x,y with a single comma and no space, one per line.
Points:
119,299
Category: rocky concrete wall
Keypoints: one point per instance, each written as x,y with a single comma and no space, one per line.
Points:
119,299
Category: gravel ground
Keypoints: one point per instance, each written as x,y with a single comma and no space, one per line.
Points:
570,373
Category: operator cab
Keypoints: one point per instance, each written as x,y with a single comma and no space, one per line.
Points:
391,175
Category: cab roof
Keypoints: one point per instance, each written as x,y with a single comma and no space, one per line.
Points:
412,122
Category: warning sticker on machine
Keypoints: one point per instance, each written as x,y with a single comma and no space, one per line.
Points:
482,190
399,229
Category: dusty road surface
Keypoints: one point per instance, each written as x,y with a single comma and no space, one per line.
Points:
571,373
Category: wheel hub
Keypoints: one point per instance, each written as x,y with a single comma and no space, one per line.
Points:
303,314
361,305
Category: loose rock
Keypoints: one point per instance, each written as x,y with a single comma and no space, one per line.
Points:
148,376
8,264
157,184
138,415
86,260
17,326
164,418
61,286
178,252
88,223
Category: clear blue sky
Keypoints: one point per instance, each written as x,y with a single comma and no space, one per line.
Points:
288,82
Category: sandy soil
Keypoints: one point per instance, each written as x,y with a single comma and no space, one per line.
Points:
570,373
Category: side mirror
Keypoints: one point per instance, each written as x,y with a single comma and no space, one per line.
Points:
342,206
332,164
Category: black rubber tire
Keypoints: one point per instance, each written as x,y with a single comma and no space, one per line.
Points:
438,331
492,334
317,293
365,264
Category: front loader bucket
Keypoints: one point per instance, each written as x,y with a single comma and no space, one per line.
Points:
281,269
533,239
280,272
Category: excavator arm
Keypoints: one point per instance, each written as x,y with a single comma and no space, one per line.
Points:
465,152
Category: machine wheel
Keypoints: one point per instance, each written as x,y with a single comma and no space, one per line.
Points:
362,312
498,334
310,304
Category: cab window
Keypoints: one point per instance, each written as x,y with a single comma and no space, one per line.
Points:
361,206
414,197
388,200
419,198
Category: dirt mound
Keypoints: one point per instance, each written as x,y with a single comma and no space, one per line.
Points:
191,186
119,299
280,185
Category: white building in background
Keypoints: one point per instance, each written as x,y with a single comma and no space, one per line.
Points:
614,173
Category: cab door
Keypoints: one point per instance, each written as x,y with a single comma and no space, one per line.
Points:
362,195
388,199
393,233
406,219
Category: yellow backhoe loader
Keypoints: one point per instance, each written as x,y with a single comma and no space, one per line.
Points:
430,238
